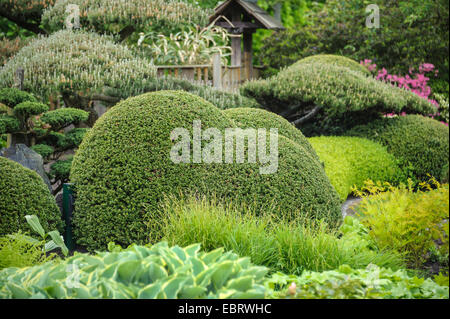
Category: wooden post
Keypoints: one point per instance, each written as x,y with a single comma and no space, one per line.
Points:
236,42
248,55
217,71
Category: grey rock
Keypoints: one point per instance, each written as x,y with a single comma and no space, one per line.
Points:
28,158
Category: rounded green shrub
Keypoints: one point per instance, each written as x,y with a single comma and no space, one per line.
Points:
12,97
258,118
43,149
350,161
336,60
23,192
123,170
420,142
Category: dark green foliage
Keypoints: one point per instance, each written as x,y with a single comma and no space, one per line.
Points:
12,96
71,139
123,169
44,150
258,118
61,118
60,170
23,192
25,110
418,141
8,124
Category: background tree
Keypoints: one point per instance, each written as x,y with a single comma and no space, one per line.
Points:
410,33
32,123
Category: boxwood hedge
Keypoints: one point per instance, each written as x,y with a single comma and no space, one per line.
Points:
23,192
418,141
123,170
258,118
350,161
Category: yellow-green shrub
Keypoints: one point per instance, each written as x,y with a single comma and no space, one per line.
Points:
409,222
350,161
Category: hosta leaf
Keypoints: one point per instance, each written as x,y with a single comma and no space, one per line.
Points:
173,286
150,291
127,270
18,292
192,292
157,272
221,273
212,256
241,284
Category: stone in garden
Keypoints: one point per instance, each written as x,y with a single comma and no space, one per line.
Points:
28,158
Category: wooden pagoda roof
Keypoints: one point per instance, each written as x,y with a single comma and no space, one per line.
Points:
250,8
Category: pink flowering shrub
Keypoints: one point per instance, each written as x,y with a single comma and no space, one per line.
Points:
416,82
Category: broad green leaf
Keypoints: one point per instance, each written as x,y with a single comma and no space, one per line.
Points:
150,291
59,241
34,223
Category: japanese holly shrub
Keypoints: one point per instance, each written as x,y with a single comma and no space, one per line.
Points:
23,192
325,95
258,118
123,169
336,60
420,142
351,161
155,272
409,222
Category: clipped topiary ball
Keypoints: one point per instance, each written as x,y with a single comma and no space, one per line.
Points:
418,141
258,118
336,60
23,192
123,170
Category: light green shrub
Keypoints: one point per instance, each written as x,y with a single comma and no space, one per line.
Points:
289,247
258,118
336,91
351,161
23,192
156,272
420,142
407,221
116,179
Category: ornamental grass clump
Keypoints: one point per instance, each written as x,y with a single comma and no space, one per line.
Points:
123,169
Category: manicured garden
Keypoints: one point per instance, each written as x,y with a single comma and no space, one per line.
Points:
116,180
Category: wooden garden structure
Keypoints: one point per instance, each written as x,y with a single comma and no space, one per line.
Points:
242,18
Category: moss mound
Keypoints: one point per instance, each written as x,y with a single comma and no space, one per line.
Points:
123,169
350,161
418,141
23,192
258,118
336,60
